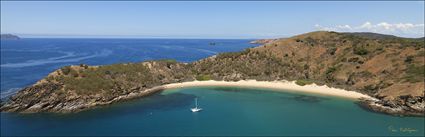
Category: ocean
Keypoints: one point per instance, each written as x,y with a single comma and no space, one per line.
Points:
226,111
25,61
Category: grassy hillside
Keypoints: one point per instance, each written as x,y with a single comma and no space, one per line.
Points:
343,60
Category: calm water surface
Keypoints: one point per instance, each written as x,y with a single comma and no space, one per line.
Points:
227,111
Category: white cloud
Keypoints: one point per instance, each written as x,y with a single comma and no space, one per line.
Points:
398,29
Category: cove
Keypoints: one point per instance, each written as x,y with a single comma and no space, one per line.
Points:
227,111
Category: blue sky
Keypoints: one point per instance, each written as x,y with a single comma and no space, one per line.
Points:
214,19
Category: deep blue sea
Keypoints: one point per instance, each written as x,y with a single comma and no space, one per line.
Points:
25,61
227,111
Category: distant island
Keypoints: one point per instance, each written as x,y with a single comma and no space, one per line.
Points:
386,72
9,37
262,41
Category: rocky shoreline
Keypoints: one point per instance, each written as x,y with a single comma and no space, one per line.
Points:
71,106
387,107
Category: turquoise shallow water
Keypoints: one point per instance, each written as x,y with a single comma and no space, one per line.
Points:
227,111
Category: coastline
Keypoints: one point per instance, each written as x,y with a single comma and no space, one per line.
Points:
278,85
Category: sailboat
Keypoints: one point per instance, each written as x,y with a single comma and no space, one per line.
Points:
196,109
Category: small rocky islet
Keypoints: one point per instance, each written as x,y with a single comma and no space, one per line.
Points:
9,37
386,67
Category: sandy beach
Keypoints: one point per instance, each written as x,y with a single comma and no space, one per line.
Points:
279,85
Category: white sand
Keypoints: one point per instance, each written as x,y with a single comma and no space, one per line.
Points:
282,85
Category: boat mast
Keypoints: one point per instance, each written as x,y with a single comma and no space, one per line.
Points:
196,102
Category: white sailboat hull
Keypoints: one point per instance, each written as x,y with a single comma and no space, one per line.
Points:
195,109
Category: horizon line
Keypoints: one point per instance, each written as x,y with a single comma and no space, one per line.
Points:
88,36
145,36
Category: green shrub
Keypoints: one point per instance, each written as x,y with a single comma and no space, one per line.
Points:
84,66
366,73
310,41
298,40
168,60
328,73
330,70
74,73
409,59
303,82
65,70
415,73
416,70
203,77
331,50
370,88
360,51
233,55
421,53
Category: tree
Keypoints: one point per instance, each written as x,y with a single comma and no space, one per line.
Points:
65,70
